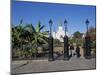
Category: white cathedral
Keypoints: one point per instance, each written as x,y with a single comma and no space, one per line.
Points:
60,33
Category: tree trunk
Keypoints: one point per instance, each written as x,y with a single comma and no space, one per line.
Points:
35,54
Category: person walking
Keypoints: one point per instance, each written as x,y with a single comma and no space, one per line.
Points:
78,52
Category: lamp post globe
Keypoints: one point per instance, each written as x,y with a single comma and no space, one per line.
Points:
87,21
65,22
50,22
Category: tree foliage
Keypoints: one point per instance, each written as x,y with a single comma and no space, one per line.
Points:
26,39
76,38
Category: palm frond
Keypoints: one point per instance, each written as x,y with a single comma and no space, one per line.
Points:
42,27
30,28
43,40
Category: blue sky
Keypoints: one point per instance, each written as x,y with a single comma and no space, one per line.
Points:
32,12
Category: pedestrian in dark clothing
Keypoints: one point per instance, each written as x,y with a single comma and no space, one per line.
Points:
78,51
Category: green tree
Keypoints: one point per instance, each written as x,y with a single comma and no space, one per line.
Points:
37,36
16,37
57,42
77,34
77,38
92,33
26,39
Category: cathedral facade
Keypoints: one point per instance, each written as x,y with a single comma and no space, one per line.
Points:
60,33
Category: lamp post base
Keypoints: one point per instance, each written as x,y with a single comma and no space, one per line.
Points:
88,57
51,56
66,50
66,58
87,49
51,59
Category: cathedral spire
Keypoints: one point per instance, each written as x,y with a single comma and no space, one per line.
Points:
60,23
60,27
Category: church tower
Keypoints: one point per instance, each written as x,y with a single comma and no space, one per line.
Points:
60,27
59,34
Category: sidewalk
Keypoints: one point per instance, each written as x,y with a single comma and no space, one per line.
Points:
58,65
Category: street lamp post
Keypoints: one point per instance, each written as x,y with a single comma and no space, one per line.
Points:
87,50
66,49
51,57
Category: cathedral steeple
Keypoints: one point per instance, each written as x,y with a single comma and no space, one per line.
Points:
60,23
59,34
60,27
